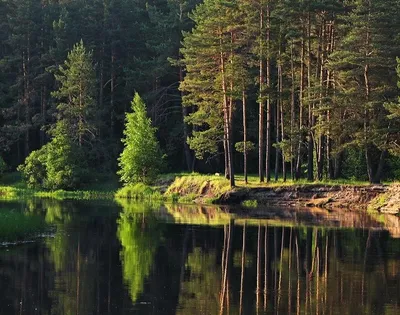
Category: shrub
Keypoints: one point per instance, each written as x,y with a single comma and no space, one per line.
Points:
57,165
34,168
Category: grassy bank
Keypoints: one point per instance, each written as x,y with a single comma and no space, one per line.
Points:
206,189
178,187
12,186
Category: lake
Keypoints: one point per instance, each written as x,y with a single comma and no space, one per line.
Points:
140,258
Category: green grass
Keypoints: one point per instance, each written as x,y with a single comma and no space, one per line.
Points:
250,203
14,188
15,226
378,202
139,192
254,182
189,187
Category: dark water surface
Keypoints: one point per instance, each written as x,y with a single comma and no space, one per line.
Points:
104,258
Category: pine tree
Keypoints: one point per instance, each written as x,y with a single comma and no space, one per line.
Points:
140,160
366,54
76,95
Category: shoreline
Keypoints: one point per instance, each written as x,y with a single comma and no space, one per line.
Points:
381,198
206,190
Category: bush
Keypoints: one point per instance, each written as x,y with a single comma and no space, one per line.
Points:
57,165
34,168
64,164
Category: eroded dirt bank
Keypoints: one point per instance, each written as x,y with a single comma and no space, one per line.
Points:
382,198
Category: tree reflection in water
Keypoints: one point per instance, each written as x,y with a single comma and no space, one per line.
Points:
136,259
140,234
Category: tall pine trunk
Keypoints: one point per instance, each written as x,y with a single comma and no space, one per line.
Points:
268,79
301,106
261,98
310,138
227,113
244,136
292,111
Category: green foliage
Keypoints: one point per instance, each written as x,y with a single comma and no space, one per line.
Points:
394,167
65,163
7,192
140,161
34,168
240,146
394,115
139,191
354,165
76,95
59,164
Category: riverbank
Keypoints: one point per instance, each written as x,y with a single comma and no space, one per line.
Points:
214,189
382,198
331,195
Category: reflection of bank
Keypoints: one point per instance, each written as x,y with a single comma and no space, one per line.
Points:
197,214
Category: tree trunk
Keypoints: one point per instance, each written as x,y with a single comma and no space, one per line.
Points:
301,106
379,171
244,136
261,101
268,78
188,154
277,136
310,155
321,113
282,133
26,101
227,113
292,111
112,89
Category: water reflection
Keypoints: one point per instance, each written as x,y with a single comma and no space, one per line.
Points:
140,233
133,259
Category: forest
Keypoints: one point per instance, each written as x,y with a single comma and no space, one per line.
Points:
290,89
